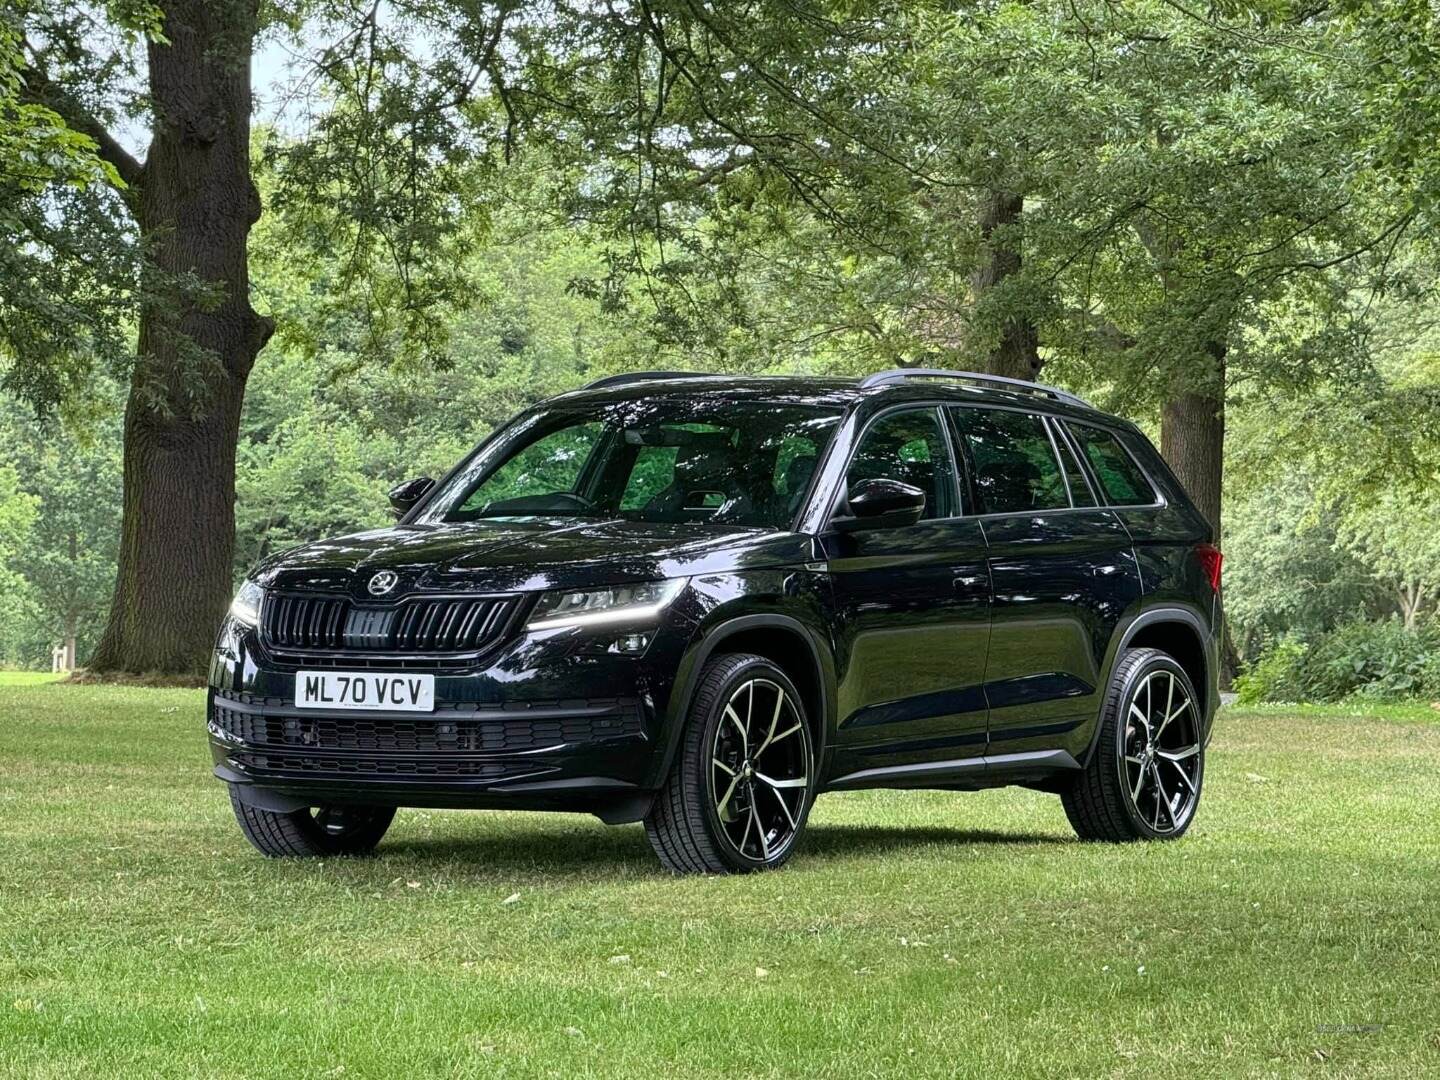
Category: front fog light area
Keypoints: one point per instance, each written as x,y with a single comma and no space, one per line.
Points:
629,644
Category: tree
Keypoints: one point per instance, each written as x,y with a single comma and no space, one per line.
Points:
1396,539
68,559
421,101
17,520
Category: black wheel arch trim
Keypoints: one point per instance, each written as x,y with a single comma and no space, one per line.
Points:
710,641
1120,640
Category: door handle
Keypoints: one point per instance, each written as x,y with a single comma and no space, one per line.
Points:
970,581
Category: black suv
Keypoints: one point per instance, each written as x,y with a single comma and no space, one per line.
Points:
698,602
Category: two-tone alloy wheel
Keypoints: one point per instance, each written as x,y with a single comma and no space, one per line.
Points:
1144,779
1162,753
740,788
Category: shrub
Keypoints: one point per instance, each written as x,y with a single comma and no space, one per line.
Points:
1380,660
1276,676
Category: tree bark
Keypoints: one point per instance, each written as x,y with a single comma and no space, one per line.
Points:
1017,354
1192,439
195,207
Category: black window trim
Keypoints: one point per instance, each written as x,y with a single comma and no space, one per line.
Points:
1063,437
1100,506
960,456
1059,461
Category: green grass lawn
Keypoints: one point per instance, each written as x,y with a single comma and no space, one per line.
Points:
27,678
1295,931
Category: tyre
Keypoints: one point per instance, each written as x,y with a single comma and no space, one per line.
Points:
313,833
741,785
1144,778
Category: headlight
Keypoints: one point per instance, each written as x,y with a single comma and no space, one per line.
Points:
610,604
245,608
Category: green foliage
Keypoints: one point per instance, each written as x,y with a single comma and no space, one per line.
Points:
1383,660
17,522
325,435
1396,536
67,558
1285,569
65,255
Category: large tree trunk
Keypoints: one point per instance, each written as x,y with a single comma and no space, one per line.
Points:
195,207
1017,353
1192,440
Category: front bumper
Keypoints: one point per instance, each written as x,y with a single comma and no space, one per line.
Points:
548,722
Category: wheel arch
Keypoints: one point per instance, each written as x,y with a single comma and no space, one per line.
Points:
782,639
1180,632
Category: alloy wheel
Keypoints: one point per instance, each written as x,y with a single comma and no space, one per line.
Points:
760,770
1161,761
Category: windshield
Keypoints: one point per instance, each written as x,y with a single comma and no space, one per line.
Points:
677,462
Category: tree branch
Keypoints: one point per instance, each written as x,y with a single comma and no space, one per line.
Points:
39,89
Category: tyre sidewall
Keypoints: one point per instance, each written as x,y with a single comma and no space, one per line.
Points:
752,668
1156,661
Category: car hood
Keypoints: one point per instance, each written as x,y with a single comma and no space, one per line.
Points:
528,555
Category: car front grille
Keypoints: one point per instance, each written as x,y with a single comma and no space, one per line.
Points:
327,625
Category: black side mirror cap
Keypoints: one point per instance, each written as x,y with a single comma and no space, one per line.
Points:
881,503
403,497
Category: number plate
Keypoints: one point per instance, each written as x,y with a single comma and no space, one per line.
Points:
373,690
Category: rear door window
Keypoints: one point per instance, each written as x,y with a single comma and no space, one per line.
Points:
1012,461
1121,479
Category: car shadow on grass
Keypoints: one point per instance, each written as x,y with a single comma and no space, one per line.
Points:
841,840
625,853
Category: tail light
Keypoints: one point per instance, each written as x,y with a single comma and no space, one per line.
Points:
1210,558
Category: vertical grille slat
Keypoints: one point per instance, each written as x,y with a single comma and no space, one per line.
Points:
405,636
429,624
337,618
455,610
313,623
465,634
427,628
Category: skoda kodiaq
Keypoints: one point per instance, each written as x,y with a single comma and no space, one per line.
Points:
699,602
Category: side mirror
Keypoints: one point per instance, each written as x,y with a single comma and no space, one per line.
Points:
882,504
404,496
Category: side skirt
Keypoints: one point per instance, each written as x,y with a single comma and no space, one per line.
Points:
1033,767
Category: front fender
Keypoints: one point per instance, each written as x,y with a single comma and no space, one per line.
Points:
789,602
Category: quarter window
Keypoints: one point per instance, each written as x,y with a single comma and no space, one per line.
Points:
910,447
1120,477
1014,464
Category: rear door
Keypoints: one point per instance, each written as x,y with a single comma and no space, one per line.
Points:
913,609
1062,572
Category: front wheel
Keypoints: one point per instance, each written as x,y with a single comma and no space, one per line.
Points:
740,788
1144,778
312,833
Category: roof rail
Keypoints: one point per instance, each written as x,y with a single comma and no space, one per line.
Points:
643,376
895,375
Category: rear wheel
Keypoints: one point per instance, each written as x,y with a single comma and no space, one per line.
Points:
739,792
314,832
1143,781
